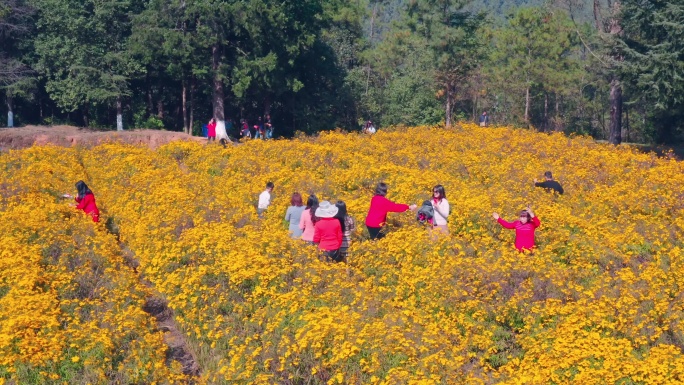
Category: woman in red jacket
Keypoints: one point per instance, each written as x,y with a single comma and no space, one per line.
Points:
328,231
524,228
379,207
86,201
211,130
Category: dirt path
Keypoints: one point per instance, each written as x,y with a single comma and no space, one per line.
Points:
17,138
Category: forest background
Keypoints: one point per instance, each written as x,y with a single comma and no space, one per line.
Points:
611,69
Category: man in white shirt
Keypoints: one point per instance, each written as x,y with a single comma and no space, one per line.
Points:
265,199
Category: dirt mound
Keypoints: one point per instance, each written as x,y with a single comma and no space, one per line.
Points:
16,138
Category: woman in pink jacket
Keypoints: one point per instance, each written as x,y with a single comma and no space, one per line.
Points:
307,221
524,228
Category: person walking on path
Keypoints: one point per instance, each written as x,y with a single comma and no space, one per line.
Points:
328,231
549,184
484,119
348,228
524,228
306,222
211,130
441,210
85,200
294,215
379,207
265,199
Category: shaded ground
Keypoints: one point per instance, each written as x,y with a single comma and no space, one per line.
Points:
16,138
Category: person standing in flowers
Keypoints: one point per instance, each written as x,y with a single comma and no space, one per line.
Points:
348,227
306,222
524,228
379,207
265,199
328,231
294,215
85,200
549,184
441,208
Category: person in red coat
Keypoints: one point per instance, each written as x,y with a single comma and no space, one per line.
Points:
211,130
86,201
524,228
328,231
379,207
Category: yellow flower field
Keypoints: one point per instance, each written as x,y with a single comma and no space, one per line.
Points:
600,301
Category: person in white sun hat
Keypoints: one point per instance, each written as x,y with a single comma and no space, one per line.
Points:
328,231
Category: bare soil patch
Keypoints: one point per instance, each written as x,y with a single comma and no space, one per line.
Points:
67,136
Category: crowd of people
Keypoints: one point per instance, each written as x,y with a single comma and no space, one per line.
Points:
261,129
329,226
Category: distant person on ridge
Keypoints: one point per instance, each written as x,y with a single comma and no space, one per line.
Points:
211,130
484,119
269,127
379,207
524,228
85,200
549,184
265,199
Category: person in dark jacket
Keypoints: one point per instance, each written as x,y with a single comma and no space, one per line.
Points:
549,184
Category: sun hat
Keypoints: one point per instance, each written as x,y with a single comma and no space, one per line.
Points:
326,210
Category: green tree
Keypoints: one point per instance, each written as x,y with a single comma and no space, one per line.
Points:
82,52
534,51
454,46
652,45
16,78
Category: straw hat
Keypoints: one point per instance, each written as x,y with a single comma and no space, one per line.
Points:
326,210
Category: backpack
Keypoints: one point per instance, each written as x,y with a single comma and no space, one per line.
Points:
425,213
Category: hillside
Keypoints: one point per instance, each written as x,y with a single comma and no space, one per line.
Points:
599,301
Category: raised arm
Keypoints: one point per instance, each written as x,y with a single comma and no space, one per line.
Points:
506,224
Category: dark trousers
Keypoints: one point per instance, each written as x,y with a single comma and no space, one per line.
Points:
333,255
375,232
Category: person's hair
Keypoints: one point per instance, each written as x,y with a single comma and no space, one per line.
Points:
440,189
296,199
269,185
381,189
312,201
526,213
548,175
82,189
341,213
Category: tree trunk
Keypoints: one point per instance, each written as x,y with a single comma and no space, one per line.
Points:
86,118
527,106
192,103
546,111
372,30
150,101
10,112
449,106
119,114
267,105
160,108
558,125
615,135
219,110
627,122
184,105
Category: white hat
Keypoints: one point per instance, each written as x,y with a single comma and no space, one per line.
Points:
326,210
